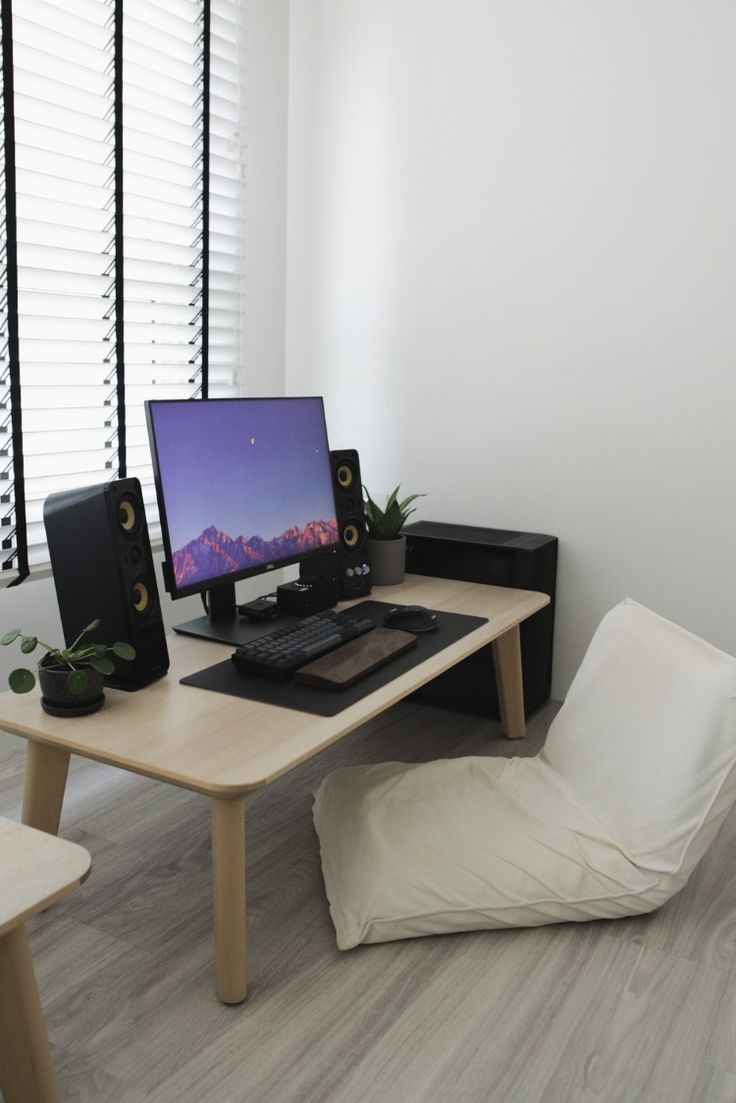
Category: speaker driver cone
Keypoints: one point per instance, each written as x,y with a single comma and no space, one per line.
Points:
346,475
352,534
141,597
128,516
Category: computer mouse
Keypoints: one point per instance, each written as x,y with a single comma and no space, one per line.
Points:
412,618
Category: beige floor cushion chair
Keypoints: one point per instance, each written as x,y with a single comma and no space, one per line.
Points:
634,781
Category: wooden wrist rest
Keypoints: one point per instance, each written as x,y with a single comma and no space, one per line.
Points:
354,660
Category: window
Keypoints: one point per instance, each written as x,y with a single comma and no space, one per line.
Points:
120,209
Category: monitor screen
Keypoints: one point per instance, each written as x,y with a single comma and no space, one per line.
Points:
243,485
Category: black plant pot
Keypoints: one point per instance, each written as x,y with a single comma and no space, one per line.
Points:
387,559
58,700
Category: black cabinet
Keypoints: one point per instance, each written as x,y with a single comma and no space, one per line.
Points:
523,560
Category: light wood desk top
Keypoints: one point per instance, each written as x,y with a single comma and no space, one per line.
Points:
225,746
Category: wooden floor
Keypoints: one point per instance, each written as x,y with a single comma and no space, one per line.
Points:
628,1011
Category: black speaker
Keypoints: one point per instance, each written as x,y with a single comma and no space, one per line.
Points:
349,562
523,560
102,566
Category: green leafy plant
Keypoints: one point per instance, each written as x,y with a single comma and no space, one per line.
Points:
387,523
76,659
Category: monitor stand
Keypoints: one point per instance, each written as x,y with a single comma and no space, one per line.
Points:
222,623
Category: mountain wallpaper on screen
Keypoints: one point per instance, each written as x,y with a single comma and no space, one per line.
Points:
213,553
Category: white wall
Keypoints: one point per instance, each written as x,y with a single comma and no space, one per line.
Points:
265,49
264,35
511,271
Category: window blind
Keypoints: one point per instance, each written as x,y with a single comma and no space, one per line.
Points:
127,196
226,199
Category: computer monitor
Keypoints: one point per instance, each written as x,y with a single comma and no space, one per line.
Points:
243,486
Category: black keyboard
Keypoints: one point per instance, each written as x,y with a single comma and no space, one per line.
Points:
279,653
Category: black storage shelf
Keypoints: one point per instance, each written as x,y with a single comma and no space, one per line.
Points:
496,557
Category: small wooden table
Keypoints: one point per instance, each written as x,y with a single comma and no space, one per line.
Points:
227,747
36,870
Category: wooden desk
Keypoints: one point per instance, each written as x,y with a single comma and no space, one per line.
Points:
36,870
226,747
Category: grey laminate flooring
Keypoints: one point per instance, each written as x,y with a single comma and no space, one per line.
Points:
628,1011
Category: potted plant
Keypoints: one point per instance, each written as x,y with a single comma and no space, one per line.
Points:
71,678
386,545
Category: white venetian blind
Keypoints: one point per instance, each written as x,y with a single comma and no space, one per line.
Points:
66,209
7,495
65,194
164,183
226,182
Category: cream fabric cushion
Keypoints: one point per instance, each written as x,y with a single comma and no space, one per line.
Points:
609,820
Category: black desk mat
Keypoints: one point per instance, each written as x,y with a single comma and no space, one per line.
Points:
224,678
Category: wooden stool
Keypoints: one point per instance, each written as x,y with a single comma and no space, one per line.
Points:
36,870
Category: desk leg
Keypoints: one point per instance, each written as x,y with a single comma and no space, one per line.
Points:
26,1069
228,874
43,793
507,661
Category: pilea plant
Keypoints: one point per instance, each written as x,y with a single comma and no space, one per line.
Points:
76,659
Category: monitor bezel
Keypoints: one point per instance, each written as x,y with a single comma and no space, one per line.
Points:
170,583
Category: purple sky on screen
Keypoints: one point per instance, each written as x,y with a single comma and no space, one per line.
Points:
251,467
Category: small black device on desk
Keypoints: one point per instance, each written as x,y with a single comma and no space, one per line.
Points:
278,653
307,596
261,608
